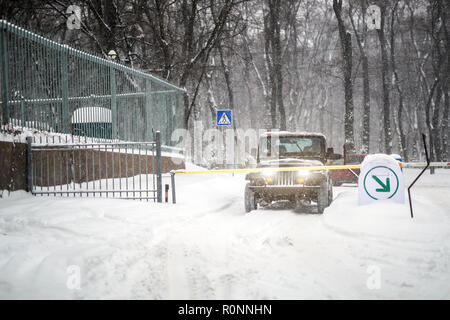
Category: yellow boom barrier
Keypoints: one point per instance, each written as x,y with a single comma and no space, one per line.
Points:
355,166
173,172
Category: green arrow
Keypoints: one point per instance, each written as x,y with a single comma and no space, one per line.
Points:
384,187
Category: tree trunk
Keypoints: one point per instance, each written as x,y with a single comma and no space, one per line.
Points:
361,40
346,45
276,49
268,35
438,66
273,55
444,126
385,86
262,85
435,130
399,124
428,120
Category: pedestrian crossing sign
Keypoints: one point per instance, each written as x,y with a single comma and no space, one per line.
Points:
224,118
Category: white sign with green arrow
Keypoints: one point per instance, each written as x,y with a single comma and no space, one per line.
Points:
380,179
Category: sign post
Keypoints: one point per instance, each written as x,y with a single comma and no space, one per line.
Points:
381,178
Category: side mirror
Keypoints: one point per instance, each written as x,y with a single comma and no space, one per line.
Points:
331,155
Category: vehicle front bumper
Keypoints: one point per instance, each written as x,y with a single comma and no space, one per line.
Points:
280,191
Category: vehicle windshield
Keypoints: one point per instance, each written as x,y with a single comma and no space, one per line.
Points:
274,147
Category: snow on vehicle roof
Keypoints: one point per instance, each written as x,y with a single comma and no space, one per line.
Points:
295,133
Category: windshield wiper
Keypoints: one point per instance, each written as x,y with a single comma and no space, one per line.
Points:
299,148
293,154
309,155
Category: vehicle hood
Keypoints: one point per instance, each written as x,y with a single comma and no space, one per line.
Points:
289,162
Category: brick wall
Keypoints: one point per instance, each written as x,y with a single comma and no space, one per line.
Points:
61,167
13,166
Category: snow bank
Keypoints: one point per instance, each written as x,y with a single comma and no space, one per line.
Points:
206,247
387,219
192,167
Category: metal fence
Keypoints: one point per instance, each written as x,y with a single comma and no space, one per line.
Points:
53,87
125,170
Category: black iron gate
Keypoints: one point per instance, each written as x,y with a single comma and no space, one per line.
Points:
125,170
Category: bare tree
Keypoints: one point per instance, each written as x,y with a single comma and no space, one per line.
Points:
387,130
193,56
273,57
445,15
434,111
361,41
346,46
284,64
396,82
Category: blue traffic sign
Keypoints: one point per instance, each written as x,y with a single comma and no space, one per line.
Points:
224,118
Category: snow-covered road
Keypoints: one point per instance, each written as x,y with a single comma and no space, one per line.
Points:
206,247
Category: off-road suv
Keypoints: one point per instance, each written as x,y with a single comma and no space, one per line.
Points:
290,149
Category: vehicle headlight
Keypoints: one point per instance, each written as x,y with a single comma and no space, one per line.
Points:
268,173
303,173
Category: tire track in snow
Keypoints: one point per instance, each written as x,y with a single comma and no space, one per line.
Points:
187,263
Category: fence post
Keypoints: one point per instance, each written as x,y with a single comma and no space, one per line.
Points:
22,112
114,115
29,165
158,166
4,66
148,108
172,180
166,194
64,90
169,127
179,110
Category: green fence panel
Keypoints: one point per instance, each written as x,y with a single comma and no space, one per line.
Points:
49,86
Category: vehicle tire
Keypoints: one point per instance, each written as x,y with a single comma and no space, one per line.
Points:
323,197
250,201
330,194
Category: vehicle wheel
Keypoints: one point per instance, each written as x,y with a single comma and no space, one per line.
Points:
250,201
330,194
323,197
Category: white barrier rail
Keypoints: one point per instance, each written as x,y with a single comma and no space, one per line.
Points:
423,164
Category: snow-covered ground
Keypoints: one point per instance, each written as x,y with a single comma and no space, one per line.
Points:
206,247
